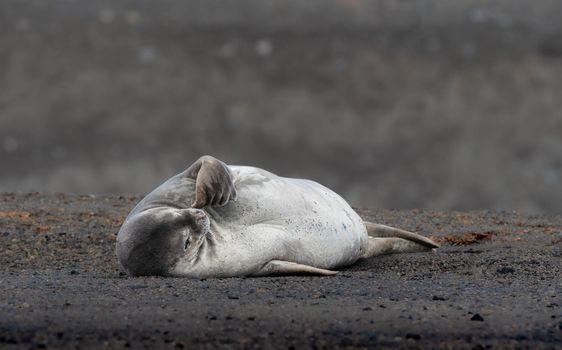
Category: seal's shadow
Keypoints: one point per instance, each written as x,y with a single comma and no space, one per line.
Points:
373,264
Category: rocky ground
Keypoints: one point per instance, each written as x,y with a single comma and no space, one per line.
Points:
495,283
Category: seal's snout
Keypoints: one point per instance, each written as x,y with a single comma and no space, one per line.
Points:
199,220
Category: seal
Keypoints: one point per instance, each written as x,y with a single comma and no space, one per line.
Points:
216,220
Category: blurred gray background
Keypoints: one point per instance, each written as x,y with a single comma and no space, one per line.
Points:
398,104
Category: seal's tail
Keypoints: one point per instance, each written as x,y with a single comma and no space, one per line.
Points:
388,240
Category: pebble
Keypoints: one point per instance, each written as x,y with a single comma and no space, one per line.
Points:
413,336
477,317
137,286
505,270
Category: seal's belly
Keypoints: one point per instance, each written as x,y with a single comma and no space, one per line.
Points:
290,219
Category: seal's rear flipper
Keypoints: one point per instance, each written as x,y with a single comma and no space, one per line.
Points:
390,245
279,267
377,230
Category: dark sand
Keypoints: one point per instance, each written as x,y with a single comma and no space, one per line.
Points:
495,283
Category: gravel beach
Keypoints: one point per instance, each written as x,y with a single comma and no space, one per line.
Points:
494,283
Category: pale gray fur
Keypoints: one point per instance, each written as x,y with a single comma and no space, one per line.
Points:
192,226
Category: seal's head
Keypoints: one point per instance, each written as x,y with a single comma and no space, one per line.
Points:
153,241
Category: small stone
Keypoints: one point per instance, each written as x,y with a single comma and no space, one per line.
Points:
477,317
367,308
505,270
74,272
413,336
436,297
137,286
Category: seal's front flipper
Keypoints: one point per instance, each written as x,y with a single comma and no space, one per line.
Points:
279,267
214,183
